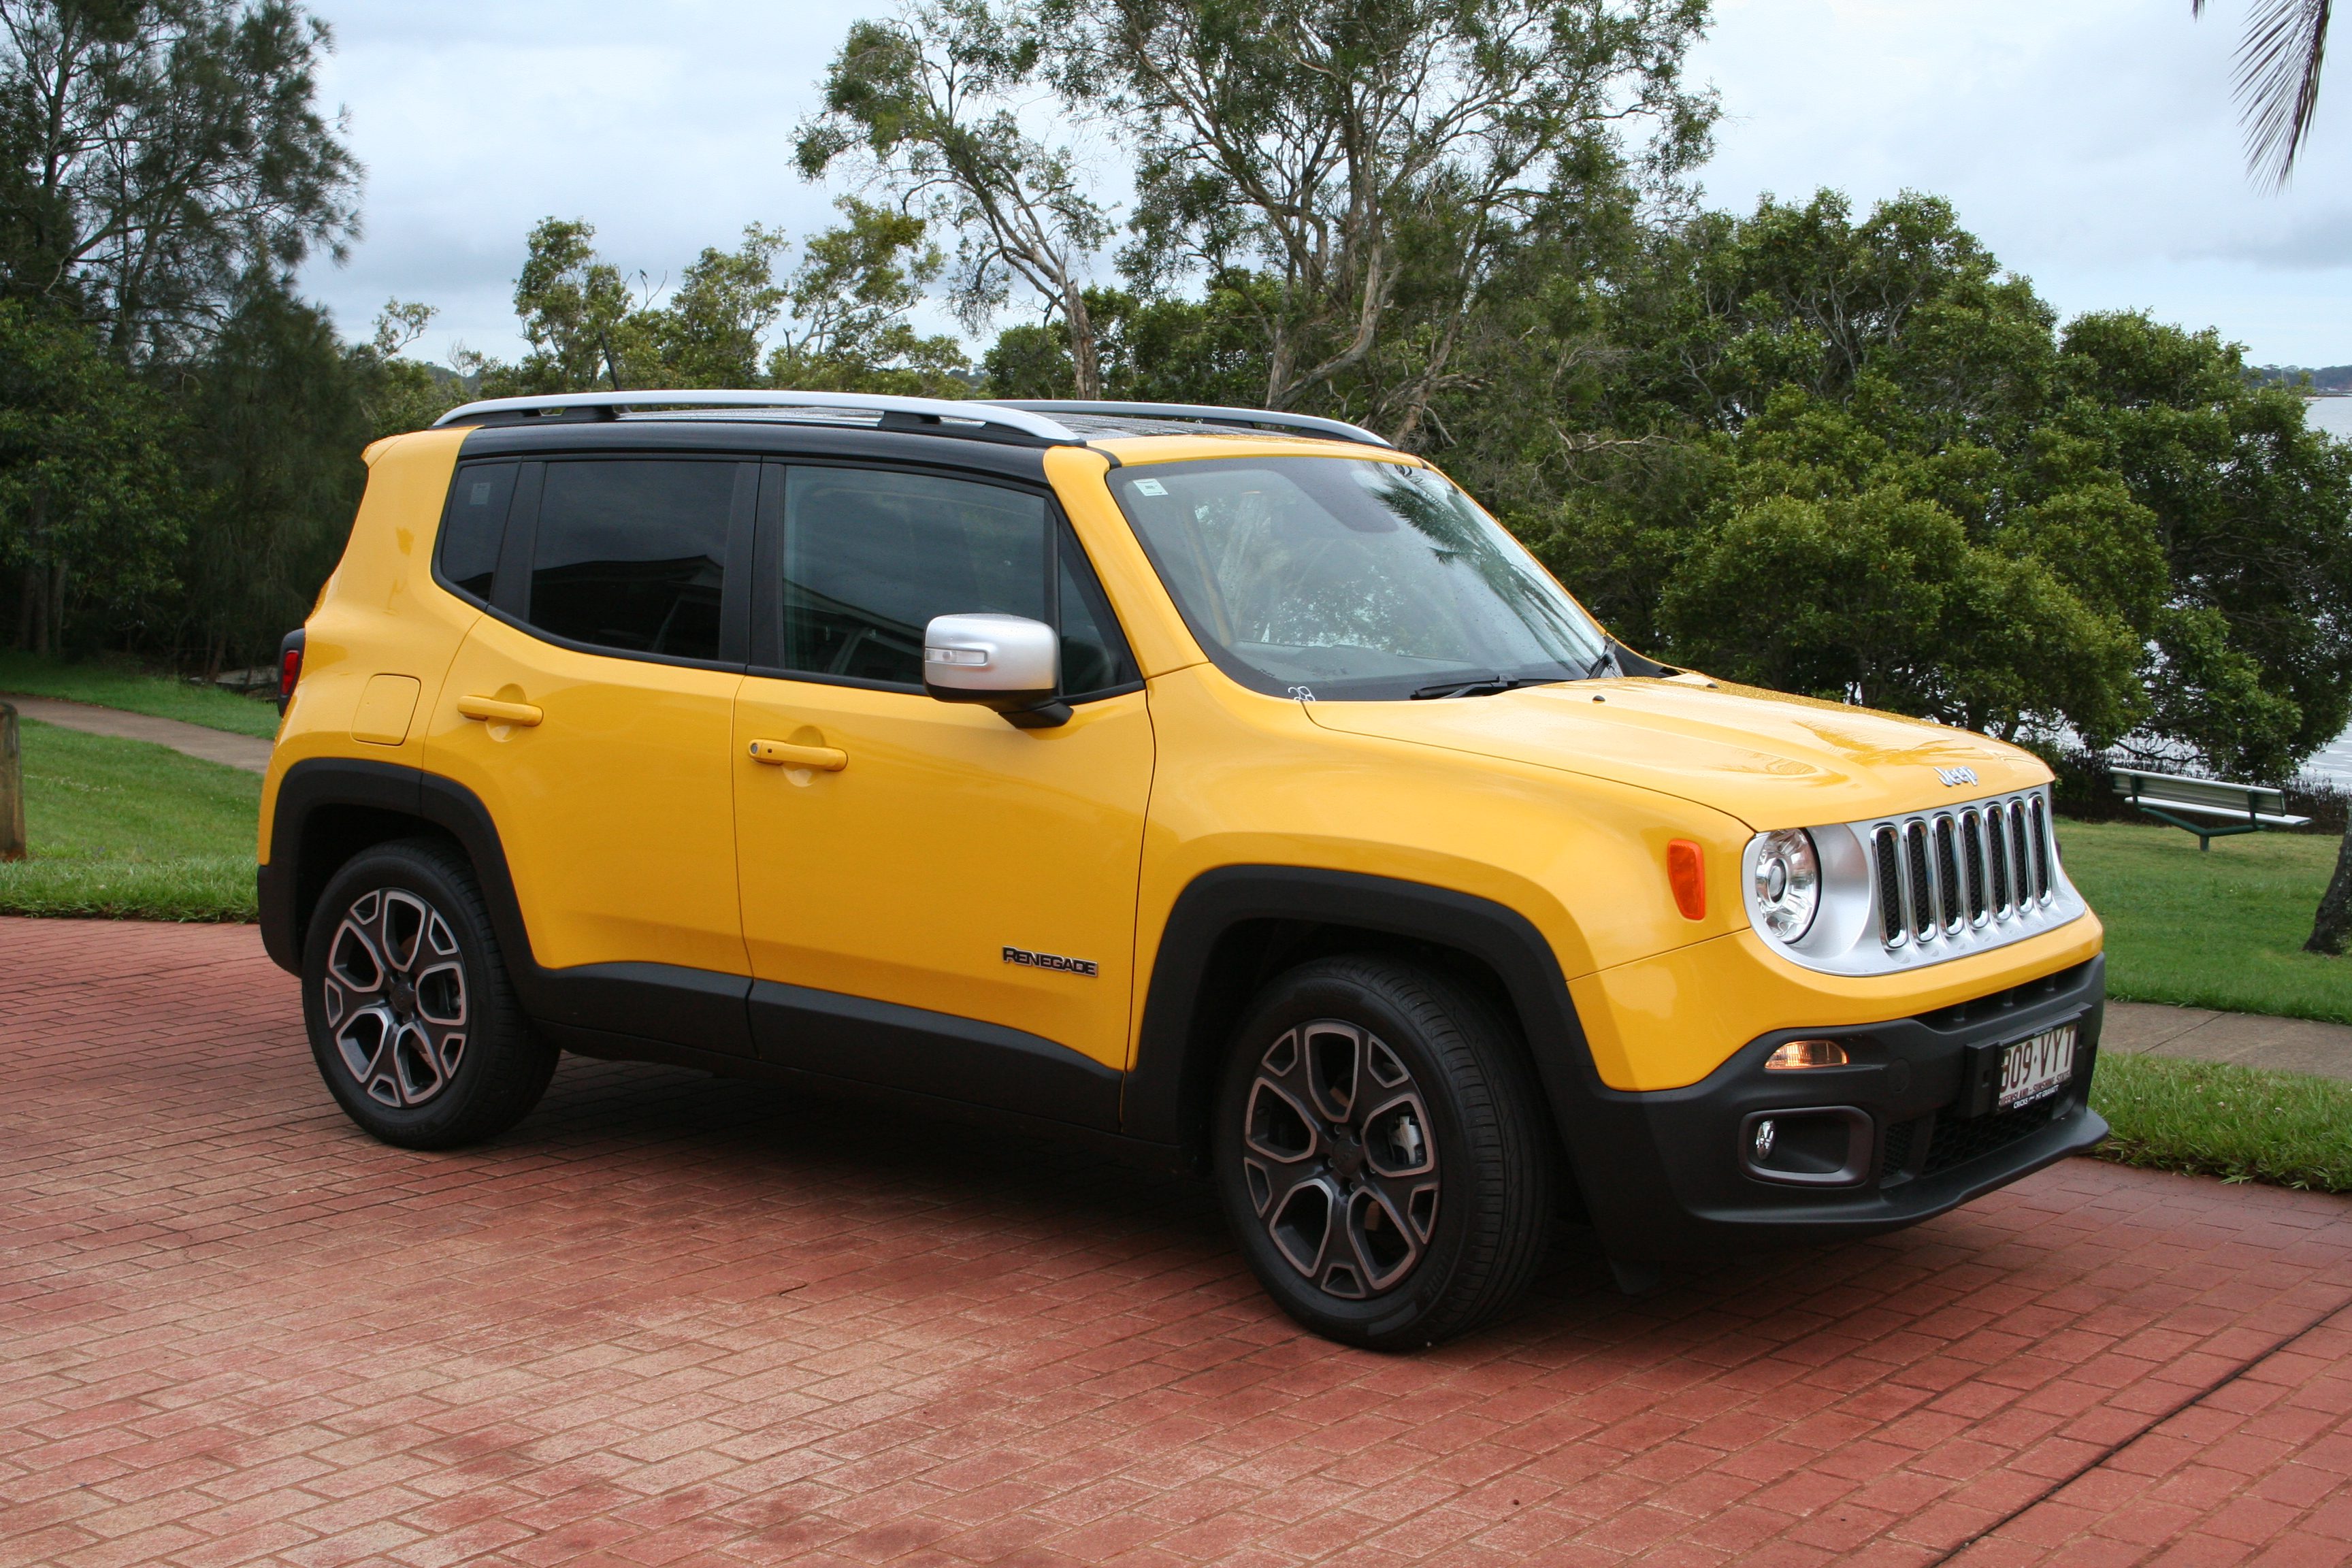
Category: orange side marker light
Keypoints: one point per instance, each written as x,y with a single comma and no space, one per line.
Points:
1687,874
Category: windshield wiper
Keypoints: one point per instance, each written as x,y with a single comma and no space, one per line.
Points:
1481,686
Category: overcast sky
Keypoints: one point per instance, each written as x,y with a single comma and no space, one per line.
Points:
2090,143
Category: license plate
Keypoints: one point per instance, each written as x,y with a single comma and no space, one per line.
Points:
2037,1069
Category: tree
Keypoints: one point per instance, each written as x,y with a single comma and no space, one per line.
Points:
2279,60
575,309
161,152
89,503
1378,159
278,412
850,297
2174,540
923,100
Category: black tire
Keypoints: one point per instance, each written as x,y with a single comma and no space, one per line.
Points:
434,1052
1473,1177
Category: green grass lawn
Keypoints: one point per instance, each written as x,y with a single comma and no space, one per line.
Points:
114,685
2210,1118
2220,930
132,830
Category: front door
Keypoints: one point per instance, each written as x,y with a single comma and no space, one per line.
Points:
951,910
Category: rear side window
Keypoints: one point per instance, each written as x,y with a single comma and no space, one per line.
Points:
870,557
475,526
630,555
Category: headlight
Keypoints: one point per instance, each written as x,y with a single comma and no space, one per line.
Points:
1787,888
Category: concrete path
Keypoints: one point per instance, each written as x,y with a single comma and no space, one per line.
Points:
671,1318
2246,1040
195,740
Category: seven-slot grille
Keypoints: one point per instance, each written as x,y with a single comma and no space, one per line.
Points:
1948,871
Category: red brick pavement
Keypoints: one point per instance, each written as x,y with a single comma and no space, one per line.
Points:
672,1321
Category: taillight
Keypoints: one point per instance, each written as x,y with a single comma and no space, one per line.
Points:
289,668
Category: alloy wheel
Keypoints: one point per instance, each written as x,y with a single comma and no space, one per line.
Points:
1339,1158
395,998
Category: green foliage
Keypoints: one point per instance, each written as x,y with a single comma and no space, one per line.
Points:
277,411
1381,165
838,322
88,505
2212,1119
126,829
162,152
925,104
1853,458
2222,930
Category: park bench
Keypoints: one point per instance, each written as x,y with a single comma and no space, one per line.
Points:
2242,808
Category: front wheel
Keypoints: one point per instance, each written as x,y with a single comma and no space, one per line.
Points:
411,1020
1381,1152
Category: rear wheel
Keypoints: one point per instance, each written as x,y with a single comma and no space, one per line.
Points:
412,1019
1381,1152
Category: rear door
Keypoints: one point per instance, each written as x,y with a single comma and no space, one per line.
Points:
953,910
591,710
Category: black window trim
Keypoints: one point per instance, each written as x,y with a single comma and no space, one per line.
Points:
768,568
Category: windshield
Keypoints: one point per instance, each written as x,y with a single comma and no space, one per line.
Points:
1343,579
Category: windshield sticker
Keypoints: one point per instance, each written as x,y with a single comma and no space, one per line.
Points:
1150,488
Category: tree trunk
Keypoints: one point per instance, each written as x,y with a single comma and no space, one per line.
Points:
2334,921
29,602
56,615
1086,364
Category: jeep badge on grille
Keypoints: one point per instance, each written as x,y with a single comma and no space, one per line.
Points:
1955,777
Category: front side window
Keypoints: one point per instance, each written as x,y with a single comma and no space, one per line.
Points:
630,555
1346,579
870,557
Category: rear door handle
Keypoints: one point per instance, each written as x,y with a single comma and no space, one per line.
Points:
785,755
492,711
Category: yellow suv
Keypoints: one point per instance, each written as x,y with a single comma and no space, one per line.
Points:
1223,788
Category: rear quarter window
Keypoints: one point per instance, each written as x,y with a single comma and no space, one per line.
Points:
474,527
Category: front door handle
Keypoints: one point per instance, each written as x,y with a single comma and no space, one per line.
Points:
785,754
492,711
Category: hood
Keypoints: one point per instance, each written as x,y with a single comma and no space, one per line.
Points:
1771,760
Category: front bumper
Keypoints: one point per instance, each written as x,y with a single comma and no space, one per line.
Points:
1680,1188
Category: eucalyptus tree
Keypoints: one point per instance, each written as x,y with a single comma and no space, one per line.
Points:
161,152
929,103
1378,159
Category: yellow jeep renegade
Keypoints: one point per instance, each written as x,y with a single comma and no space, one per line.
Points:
1222,787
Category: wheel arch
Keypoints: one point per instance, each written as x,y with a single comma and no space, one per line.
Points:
1234,928
332,808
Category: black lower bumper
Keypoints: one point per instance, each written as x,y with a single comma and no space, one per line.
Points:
1906,1131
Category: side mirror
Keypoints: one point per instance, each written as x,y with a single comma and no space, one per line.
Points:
1010,663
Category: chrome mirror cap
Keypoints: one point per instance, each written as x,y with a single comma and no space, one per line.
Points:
1010,663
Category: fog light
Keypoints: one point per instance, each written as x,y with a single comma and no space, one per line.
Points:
1765,1133
1798,1054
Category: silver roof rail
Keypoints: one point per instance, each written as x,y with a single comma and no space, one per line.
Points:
927,410
1205,413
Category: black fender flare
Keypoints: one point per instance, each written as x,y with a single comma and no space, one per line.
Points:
1180,1047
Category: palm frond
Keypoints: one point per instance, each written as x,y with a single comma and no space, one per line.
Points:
2277,85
